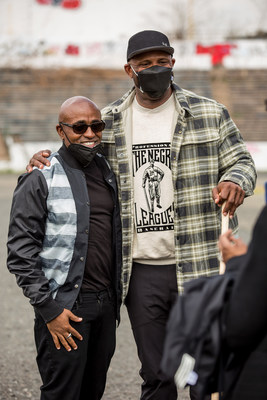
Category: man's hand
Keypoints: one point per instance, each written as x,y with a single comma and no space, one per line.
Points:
229,193
60,329
230,246
39,160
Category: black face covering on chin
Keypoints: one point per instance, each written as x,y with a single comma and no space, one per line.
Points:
154,80
84,155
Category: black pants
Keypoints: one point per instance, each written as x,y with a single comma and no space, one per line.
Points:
79,374
152,292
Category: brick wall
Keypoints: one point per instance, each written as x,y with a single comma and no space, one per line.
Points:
244,93
30,99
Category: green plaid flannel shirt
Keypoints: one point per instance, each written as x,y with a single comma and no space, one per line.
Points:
207,148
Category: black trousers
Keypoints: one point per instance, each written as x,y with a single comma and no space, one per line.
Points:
152,292
79,374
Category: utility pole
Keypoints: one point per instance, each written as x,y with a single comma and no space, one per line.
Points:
10,21
190,20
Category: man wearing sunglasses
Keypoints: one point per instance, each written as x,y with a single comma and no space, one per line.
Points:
204,162
61,218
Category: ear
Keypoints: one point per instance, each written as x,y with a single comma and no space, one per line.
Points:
128,70
60,132
173,61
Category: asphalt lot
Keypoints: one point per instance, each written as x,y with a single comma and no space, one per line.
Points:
19,378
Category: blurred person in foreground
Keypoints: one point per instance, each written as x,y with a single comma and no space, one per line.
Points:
246,323
204,163
64,246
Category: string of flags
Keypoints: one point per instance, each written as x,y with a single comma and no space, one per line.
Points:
63,3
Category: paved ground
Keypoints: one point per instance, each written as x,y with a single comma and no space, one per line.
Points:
19,379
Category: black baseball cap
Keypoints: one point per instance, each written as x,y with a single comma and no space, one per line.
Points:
145,41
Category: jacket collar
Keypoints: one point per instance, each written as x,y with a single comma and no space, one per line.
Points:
180,97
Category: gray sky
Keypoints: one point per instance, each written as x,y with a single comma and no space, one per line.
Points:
103,20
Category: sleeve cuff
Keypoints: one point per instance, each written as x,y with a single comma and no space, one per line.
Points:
49,309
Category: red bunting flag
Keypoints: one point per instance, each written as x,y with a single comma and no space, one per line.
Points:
44,1
71,3
72,50
217,51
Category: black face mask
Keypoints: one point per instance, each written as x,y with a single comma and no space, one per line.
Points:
154,80
84,155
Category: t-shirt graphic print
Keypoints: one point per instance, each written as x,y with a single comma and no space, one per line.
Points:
153,189
151,163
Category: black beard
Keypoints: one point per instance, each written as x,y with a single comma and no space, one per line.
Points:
83,154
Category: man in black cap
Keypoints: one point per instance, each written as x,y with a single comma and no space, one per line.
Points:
204,162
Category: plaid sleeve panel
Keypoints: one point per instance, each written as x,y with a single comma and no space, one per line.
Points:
114,142
207,148
235,161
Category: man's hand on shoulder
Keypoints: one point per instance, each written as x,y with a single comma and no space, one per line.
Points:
229,193
39,160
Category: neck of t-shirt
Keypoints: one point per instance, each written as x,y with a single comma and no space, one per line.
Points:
152,104
157,109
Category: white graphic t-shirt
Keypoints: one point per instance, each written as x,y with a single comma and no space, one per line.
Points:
153,190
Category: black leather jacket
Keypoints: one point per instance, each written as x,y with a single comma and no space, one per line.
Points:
27,230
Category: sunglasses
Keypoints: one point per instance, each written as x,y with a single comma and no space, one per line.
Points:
80,129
